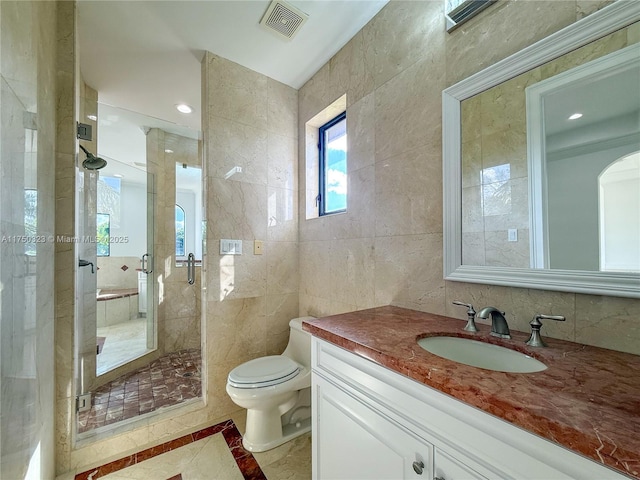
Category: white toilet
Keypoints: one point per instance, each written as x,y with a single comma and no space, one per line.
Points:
276,391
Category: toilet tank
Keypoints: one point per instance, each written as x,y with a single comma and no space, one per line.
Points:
299,346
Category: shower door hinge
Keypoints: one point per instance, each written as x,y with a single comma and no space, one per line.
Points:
83,402
84,131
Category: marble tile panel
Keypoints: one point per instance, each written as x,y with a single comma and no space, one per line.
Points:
473,249
352,272
236,92
608,322
282,215
241,276
282,109
409,193
315,95
282,267
315,271
237,328
503,107
528,22
236,209
506,206
237,145
506,147
351,69
282,161
359,219
360,133
280,309
500,252
472,218
317,306
408,271
585,54
403,33
408,111
470,116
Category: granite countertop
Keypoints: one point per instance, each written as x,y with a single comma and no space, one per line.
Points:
587,400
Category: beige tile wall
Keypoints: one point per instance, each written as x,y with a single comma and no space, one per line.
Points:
249,121
387,248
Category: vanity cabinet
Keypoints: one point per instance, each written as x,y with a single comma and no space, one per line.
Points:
372,423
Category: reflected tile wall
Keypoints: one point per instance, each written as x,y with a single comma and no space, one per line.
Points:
399,131
27,189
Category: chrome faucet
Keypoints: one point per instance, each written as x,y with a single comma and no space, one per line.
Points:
499,327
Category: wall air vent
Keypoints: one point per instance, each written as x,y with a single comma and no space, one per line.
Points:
283,19
459,11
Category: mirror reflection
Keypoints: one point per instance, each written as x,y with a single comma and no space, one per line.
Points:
550,173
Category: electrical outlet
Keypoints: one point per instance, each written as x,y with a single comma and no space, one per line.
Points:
258,246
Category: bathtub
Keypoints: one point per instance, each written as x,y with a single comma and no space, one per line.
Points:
116,306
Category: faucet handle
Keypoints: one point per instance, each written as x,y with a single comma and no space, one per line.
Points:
535,340
471,316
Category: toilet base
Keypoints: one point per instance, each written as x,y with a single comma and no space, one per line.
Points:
289,432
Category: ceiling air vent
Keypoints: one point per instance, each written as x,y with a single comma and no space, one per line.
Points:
459,11
283,19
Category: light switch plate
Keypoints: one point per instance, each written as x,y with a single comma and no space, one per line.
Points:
230,247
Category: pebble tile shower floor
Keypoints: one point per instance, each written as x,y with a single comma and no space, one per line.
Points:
169,380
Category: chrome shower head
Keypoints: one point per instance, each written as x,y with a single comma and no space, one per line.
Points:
92,162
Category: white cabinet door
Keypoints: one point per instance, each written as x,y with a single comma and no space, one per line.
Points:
354,441
449,468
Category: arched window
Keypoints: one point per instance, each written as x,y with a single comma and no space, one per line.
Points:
180,249
619,219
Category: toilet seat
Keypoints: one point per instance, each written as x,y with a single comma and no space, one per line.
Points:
263,372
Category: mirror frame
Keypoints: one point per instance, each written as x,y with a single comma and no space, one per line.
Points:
597,25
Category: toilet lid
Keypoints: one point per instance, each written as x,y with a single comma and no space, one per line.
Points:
263,372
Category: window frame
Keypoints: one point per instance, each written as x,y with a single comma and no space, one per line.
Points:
322,181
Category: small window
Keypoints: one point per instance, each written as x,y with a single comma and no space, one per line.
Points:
333,166
103,227
179,231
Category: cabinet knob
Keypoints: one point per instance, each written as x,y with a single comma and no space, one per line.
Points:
418,467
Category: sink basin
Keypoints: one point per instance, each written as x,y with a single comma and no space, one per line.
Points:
481,355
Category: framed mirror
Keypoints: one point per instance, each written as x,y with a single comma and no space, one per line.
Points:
501,224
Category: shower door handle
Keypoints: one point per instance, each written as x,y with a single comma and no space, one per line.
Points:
191,268
146,263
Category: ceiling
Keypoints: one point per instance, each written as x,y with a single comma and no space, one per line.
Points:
144,56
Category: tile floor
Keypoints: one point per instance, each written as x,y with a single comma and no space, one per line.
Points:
213,453
123,342
170,380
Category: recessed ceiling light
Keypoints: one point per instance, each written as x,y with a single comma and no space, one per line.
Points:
118,175
575,116
184,108
92,117
167,150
